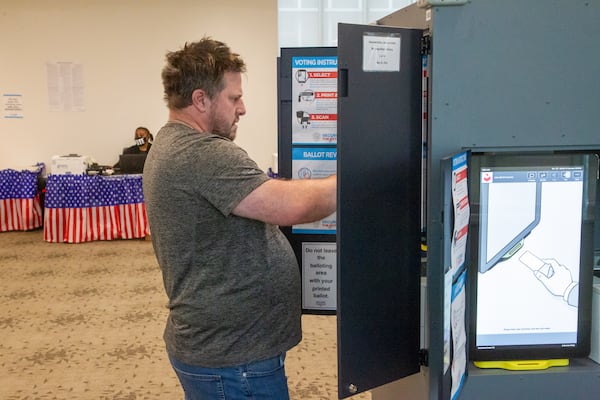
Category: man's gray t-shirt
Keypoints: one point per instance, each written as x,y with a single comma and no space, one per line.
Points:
233,283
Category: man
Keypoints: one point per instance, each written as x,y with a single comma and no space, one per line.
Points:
231,276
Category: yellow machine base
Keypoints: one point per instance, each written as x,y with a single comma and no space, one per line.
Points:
523,365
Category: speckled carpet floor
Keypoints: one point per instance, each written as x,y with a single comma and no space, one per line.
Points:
85,321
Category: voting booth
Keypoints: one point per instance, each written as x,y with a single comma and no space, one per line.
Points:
445,109
499,81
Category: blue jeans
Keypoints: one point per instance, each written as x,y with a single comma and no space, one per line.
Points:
261,380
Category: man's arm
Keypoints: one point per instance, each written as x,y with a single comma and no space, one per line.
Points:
290,202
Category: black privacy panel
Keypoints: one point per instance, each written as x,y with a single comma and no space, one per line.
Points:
379,178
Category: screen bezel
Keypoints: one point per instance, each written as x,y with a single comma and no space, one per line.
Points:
535,159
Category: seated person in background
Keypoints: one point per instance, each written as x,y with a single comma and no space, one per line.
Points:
143,142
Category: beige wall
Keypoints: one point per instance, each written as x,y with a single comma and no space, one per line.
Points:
121,45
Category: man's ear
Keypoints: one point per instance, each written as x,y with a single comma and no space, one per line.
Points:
200,100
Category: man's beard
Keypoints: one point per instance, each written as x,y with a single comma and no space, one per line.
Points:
223,127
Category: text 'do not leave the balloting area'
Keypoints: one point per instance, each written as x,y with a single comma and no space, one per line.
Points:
319,276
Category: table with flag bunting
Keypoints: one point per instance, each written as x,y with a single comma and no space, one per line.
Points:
82,208
20,205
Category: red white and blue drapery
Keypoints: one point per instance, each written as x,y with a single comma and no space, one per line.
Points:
20,206
81,208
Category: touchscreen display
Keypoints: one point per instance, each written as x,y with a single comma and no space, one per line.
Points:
534,245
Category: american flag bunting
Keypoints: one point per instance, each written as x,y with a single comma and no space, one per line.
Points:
20,206
81,208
